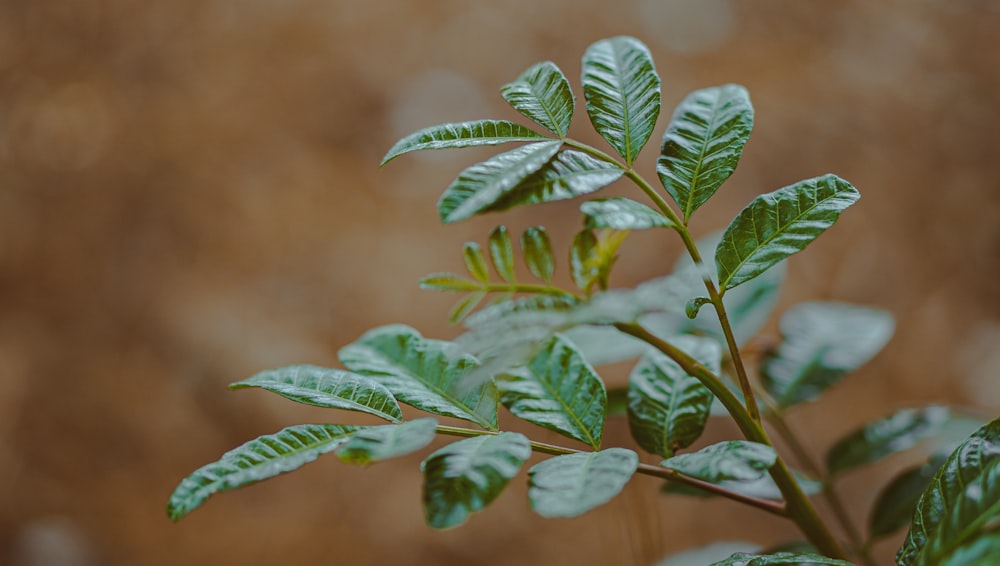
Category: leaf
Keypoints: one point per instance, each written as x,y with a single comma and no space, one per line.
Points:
463,134
744,559
895,503
761,488
373,444
502,253
259,459
422,373
466,476
592,256
900,431
542,93
822,342
734,460
570,485
708,554
558,390
622,214
703,144
622,92
464,306
448,282
328,388
667,408
480,186
475,262
957,516
567,175
537,249
776,225
580,252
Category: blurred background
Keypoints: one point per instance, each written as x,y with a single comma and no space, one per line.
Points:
190,193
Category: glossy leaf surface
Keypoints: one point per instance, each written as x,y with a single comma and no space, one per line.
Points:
328,388
900,431
761,488
622,214
570,485
703,144
776,225
542,93
537,249
502,253
372,444
463,134
734,460
466,476
567,175
622,92
894,506
795,558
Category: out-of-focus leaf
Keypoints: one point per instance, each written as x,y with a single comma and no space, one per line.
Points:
622,214
537,251
592,256
542,93
580,252
708,554
900,431
744,559
463,134
372,444
570,485
567,175
895,504
734,460
502,253
466,476
464,306
329,388
761,488
475,262
448,282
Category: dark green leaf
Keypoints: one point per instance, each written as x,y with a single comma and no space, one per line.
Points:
957,517
464,306
779,224
463,134
622,214
703,144
570,485
895,504
475,262
743,559
466,476
372,444
480,186
668,408
822,342
734,460
567,175
329,388
900,431
542,93
448,282
538,253
423,373
558,390
708,554
622,92
502,253
259,459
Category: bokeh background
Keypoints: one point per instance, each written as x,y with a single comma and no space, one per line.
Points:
190,193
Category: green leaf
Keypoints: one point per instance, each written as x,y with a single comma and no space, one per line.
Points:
703,144
464,306
475,262
448,282
558,390
480,186
734,460
542,93
567,175
708,554
466,476
822,342
622,92
895,504
761,488
779,224
259,459
744,559
570,485
668,408
537,251
592,256
957,517
502,253
373,444
328,388
900,431
423,373
622,214
463,134
580,252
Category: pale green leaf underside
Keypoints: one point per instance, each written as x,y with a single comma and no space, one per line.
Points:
259,459
876,440
466,476
621,213
568,175
558,390
776,225
822,342
894,506
622,92
542,93
463,134
483,184
423,373
734,460
761,488
373,444
791,558
570,485
537,249
956,519
328,388
703,144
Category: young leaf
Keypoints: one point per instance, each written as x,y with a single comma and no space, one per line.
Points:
463,134
542,93
376,443
558,390
464,306
537,251
567,175
622,214
822,342
791,558
895,504
448,282
422,373
703,144
570,485
580,254
900,431
259,459
776,225
475,262
735,460
466,476
329,388
622,92
956,518
667,408
502,253
481,185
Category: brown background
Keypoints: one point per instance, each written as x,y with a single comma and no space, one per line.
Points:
189,193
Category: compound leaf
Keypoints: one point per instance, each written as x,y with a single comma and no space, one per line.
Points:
622,214
570,485
734,460
372,444
792,558
899,431
542,93
463,134
537,249
567,175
